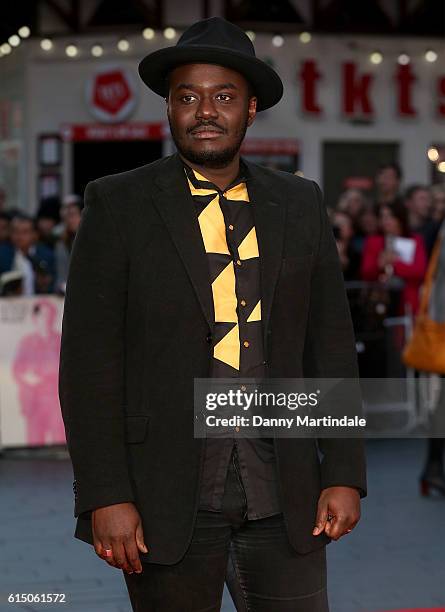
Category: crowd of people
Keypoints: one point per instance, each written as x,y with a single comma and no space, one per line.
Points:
35,250
388,239
385,240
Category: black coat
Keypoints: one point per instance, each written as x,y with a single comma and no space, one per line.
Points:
136,327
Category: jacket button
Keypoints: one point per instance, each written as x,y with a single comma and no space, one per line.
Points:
209,338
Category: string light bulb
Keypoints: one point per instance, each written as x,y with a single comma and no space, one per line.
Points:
14,40
46,44
24,32
433,154
97,50
376,58
169,33
148,33
71,50
278,40
430,56
123,45
404,59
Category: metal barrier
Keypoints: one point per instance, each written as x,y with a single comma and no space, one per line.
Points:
381,334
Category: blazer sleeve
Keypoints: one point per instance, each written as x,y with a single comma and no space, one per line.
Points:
91,372
329,352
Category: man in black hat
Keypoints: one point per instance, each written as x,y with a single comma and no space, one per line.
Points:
202,264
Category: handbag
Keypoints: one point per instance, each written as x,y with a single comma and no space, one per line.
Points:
425,350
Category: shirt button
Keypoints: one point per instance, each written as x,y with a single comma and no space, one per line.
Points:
243,302
246,343
238,262
231,227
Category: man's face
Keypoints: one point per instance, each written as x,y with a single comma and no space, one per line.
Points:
209,110
22,234
420,202
387,180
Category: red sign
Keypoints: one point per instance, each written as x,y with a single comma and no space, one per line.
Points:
356,96
111,91
358,182
111,94
122,131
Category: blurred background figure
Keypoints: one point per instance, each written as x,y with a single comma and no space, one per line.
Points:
396,256
71,216
48,216
344,233
25,254
418,202
11,283
387,183
438,203
2,200
5,222
352,202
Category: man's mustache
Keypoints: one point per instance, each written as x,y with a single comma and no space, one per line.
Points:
207,124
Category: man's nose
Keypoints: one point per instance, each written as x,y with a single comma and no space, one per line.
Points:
206,109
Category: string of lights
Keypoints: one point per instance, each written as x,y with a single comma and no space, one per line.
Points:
123,45
277,40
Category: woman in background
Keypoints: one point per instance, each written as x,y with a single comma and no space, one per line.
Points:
383,261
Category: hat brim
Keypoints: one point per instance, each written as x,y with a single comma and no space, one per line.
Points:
266,83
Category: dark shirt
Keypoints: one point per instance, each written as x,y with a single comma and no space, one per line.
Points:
428,230
227,227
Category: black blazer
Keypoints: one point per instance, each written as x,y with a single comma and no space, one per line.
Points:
137,321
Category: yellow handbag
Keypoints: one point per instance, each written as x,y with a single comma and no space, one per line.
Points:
425,350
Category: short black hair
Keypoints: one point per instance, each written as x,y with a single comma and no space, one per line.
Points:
400,212
21,216
391,166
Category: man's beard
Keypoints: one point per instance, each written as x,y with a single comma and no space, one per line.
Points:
209,159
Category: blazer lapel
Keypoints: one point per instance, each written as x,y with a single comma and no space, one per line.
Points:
269,215
176,207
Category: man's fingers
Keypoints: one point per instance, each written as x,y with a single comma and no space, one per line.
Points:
140,539
338,527
132,553
105,552
320,521
120,557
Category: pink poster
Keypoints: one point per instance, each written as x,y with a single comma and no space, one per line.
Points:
30,329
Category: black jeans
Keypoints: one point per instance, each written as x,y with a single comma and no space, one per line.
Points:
262,571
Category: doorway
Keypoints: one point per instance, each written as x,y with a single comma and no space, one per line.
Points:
353,164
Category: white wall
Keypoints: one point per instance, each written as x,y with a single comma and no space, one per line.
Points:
56,87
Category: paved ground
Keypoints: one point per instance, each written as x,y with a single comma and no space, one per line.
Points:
395,558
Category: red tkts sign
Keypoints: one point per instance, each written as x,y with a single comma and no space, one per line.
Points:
356,95
111,95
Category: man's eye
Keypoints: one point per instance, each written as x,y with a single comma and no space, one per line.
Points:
188,98
224,97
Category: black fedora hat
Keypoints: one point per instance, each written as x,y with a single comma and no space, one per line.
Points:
214,41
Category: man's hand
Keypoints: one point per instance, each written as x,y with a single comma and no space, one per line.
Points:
338,511
118,528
